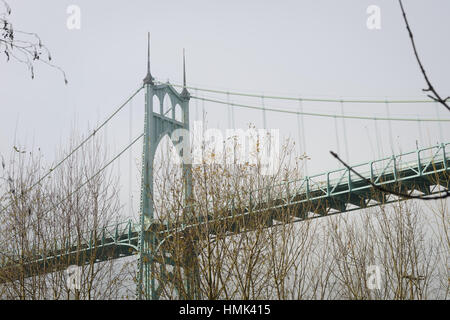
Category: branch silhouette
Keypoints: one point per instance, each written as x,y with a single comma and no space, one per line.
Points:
24,47
379,188
435,95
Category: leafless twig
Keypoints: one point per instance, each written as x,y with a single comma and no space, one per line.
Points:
24,47
398,194
436,97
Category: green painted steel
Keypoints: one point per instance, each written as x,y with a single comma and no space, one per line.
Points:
326,115
332,192
157,125
252,95
112,242
424,170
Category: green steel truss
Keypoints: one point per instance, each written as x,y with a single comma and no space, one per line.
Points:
112,242
157,125
424,170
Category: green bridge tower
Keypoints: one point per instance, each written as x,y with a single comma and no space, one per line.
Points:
156,126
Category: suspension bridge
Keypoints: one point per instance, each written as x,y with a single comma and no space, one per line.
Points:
423,171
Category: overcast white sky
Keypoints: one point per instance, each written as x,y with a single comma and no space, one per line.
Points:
309,48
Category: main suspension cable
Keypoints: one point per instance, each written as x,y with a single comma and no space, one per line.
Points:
274,97
322,114
79,146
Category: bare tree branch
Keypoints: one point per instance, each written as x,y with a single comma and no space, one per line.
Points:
398,194
430,88
24,47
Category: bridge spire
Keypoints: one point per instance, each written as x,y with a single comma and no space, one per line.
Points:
148,78
184,93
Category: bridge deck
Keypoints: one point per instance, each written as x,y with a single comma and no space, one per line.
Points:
315,196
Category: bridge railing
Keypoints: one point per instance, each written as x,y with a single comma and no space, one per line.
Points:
388,170
120,233
409,165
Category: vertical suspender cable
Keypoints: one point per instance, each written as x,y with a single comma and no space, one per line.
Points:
264,112
232,111
379,146
203,130
370,143
130,157
228,111
196,105
203,117
419,125
300,105
436,106
301,146
345,132
337,137
389,127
